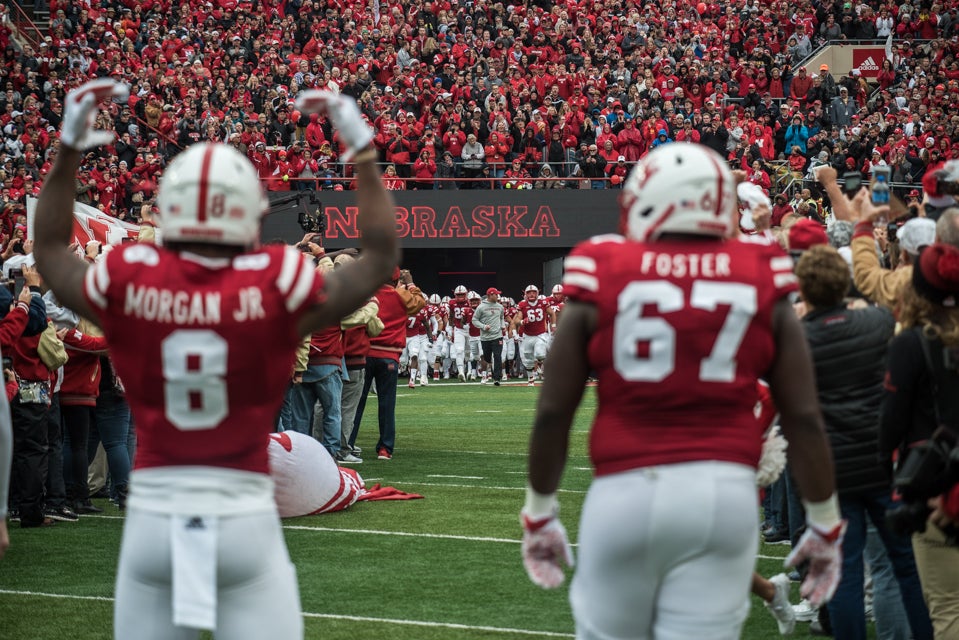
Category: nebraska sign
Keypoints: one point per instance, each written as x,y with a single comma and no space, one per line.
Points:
868,60
469,218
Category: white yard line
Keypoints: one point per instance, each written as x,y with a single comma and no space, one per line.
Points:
409,534
402,534
436,475
333,616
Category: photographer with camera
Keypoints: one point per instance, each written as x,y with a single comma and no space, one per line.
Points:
877,283
922,374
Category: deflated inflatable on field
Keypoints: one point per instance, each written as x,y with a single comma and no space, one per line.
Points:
306,478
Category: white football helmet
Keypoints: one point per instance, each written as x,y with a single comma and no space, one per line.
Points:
679,188
473,295
445,299
557,289
435,298
211,193
531,292
459,291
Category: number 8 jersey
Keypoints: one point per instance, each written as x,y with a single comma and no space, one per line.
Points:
204,347
684,330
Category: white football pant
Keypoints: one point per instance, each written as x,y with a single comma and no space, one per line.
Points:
534,350
667,553
460,346
256,594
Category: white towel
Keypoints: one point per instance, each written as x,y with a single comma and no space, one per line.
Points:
194,550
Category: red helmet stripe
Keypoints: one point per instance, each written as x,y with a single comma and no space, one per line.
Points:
719,185
204,176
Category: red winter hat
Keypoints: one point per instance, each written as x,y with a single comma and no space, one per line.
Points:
806,233
930,184
936,276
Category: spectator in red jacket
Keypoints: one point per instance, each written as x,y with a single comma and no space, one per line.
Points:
424,170
397,301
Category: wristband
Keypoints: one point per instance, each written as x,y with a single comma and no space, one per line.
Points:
823,516
539,505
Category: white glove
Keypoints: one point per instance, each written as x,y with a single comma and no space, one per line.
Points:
343,113
80,111
545,549
823,550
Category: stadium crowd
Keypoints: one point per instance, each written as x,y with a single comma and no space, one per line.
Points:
482,93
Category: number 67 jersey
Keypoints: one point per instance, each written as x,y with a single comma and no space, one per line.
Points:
684,330
204,347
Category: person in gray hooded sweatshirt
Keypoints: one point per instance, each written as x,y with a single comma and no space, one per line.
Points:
547,179
490,319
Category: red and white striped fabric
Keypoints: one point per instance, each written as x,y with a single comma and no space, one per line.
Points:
306,478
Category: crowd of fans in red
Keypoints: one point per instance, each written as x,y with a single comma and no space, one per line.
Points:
482,93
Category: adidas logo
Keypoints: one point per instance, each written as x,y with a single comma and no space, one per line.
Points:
869,65
195,522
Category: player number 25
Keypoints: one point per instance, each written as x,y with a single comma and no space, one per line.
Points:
194,383
632,327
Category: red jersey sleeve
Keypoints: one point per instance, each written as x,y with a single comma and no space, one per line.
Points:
581,282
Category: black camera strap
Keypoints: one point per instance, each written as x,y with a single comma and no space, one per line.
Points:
933,378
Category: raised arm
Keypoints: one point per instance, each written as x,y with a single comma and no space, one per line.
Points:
351,286
60,267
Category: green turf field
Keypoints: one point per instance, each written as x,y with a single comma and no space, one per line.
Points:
446,567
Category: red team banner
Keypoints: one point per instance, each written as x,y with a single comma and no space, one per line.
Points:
89,224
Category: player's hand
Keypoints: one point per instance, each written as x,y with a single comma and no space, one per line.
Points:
80,111
343,113
545,550
823,551
31,277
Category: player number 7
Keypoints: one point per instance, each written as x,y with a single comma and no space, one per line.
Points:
632,327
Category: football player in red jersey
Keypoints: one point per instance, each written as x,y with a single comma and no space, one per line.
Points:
557,300
417,351
203,331
459,308
438,316
473,341
679,320
534,315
